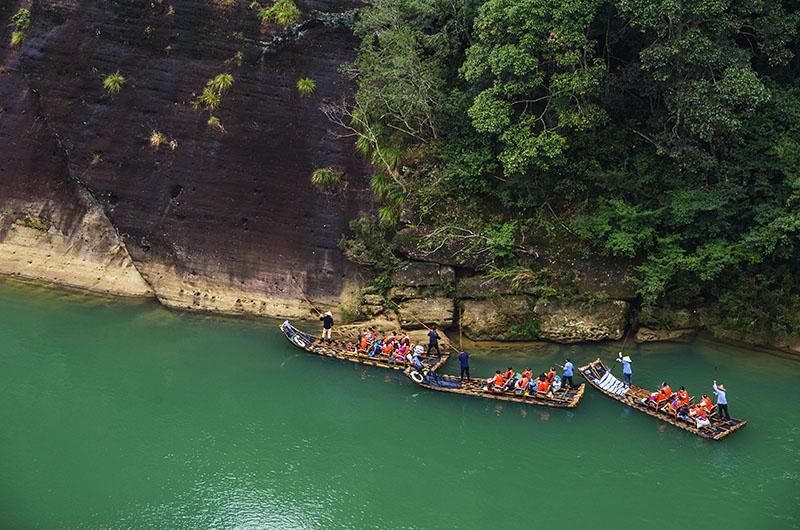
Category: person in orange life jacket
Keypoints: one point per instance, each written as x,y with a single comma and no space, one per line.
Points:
497,381
327,325
389,344
433,341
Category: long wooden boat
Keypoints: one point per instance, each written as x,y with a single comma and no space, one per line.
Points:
346,350
601,378
565,398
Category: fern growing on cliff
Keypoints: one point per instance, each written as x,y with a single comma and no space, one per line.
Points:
220,83
113,82
328,180
306,86
211,96
282,12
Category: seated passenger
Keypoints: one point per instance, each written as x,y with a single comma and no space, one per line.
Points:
702,421
363,344
663,394
521,385
416,362
680,399
704,407
497,382
543,385
405,339
527,372
377,348
551,375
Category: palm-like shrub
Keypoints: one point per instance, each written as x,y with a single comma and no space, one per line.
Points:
306,86
327,180
220,83
113,82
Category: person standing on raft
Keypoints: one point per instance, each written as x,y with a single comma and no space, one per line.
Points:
327,325
627,374
568,371
463,358
433,341
722,400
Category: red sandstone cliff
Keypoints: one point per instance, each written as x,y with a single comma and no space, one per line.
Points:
227,220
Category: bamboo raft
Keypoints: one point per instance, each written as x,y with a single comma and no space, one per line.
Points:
346,351
564,398
601,378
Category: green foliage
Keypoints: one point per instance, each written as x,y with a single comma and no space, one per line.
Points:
527,328
113,82
16,38
282,12
21,19
220,83
306,86
327,180
662,134
370,245
211,96
501,239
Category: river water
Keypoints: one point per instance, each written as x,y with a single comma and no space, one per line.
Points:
122,414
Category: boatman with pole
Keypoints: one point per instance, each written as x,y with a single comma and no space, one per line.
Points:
433,341
627,374
568,371
722,400
327,325
463,358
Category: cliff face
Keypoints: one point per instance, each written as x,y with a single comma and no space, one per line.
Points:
220,217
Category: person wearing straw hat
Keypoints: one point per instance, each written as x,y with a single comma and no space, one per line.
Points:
722,400
627,374
327,325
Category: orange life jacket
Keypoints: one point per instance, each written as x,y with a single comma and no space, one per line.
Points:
683,398
387,347
527,373
544,386
508,374
707,404
551,375
498,380
363,345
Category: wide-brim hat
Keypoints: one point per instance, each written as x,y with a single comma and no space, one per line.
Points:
722,387
328,313
627,359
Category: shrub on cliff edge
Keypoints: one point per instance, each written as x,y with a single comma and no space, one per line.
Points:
282,12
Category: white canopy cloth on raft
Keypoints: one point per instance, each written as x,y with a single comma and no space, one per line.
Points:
611,384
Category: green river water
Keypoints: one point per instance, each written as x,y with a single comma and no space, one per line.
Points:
122,414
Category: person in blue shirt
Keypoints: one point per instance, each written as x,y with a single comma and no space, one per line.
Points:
433,341
568,371
463,358
722,400
627,374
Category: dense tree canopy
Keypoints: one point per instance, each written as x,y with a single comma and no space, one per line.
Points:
664,133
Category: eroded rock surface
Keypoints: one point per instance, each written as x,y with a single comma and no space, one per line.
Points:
581,322
498,318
